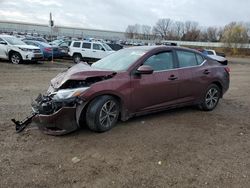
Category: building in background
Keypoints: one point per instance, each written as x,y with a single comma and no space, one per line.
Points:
42,29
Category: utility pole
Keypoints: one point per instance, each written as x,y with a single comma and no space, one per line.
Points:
51,25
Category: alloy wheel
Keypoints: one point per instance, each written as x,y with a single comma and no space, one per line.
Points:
212,98
108,113
15,59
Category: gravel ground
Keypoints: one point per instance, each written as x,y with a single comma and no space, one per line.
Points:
178,148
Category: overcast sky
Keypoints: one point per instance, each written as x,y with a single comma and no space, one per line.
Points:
117,14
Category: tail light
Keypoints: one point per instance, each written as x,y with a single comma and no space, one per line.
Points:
48,49
227,69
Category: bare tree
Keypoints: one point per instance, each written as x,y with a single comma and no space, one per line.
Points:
162,28
212,34
179,29
146,31
235,34
130,31
192,31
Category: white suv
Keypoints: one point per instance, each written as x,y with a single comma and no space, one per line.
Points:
88,51
15,50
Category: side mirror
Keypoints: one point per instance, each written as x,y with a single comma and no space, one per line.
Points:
144,69
103,49
3,42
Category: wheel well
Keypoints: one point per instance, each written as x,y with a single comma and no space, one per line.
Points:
84,110
77,54
11,52
219,85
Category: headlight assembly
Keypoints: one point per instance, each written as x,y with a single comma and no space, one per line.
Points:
26,49
68,93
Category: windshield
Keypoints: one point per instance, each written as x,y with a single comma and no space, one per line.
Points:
119,61
13,41
107,47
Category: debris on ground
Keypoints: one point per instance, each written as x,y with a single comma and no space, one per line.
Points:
75,160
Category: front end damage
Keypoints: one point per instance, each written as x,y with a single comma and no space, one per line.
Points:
58,111
56,116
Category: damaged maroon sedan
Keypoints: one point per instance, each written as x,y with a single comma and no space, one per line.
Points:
131,82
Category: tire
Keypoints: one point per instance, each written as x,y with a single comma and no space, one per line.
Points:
211,98
77,58
15,58
102,113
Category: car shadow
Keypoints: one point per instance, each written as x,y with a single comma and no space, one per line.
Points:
133,121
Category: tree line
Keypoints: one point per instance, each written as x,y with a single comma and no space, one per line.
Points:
167,29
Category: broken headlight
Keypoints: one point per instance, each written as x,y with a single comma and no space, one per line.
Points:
68,93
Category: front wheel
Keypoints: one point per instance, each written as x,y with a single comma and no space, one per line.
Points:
211,98
77,58
15,58
102,113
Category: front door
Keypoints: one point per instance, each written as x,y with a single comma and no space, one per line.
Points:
156,90
3,50
98,51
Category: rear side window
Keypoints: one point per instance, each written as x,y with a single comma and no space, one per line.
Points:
86,45
161,61
200,59
77,44
210,53
186,59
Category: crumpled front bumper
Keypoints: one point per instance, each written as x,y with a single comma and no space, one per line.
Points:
56,117
61,122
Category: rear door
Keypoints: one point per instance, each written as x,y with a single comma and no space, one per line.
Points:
193,76
86,50
159,89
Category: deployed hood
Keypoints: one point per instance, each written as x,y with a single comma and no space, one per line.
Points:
27,47
80,72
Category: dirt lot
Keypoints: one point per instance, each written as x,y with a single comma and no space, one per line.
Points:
180,148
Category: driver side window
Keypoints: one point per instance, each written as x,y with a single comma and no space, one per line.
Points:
160,62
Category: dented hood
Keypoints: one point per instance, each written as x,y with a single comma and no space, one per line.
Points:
80,71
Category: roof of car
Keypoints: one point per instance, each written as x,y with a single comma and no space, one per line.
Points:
148,48
38,42
6,36
87,41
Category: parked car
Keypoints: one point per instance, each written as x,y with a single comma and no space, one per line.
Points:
15,50
35,39
88,51
212,52
47,49
131,82
114,46
63,45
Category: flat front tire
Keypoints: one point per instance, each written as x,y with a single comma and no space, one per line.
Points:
211,98
102,113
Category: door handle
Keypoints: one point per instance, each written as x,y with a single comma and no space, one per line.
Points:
206,72
172,77
94,51
83,50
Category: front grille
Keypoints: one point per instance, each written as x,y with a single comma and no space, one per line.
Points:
37,51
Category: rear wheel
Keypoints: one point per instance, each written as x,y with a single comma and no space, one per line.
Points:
102,113
211,98
15,58
77,58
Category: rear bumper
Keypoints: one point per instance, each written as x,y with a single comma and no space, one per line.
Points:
59,123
